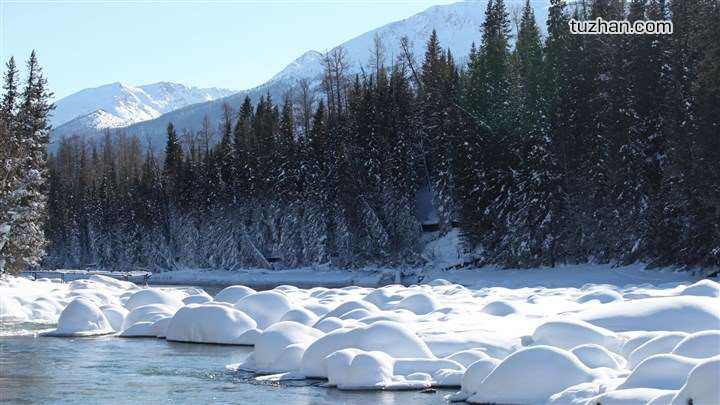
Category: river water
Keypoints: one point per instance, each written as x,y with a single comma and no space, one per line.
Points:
112,370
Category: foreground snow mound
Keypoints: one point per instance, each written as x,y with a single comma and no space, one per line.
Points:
148,313
683,313
595,356
632,396
234,293
11,310
153,296
391,338
265,307
300,315
663,343
567,334
367,370
700,345
702,385
661,371
116,315
209,323
419,303
82,318
476,374
541,370
274,344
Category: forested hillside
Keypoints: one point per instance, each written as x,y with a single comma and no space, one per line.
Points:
559,149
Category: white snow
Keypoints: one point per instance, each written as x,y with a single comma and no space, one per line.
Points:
81,317
614,336
210,323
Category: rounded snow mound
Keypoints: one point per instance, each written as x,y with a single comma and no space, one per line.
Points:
300,315
702,385
272,343
153,296
140,329
419,303
207,323
11,310
700,345
197,299
390,337
115,315
595,356
328,325
629,396
635,342
602,296
683,313
543,371
661,371
81,317
234,293
567,334
266,307
367,370
476,374
499,308
663,343
148,313
468,357
349,306
703,288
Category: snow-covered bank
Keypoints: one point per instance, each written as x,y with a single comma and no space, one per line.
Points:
594,334
261,279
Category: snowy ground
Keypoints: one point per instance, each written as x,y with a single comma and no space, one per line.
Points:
572,335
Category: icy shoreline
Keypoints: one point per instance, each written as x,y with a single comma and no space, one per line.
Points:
605,334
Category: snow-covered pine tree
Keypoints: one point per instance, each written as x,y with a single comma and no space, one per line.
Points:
24,195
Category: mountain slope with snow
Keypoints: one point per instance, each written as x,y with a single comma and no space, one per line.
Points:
122,105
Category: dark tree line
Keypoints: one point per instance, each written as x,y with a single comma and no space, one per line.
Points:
568,148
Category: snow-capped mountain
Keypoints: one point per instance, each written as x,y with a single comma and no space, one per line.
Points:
458,26
118,105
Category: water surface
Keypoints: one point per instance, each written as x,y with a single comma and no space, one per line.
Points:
112,370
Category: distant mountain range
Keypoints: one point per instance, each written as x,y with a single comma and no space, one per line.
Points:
119,105
458,26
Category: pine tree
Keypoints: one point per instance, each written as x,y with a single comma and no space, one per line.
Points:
25,203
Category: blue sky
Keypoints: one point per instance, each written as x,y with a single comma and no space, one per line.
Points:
233,43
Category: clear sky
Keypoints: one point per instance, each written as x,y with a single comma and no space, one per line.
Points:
235,44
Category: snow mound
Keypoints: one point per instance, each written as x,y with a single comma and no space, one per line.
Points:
700,345
153,296
543,371
11,310
328,325
207,323
140,329
266,307
637,341
632,396
499,308
683,313
476,374
419,303
595,356
390,337
663,343
272,343
234,293
468,357
661,371
115,315
602,296
300,315
197,299
349,306
567,334
367,370
81,317
703,288
148,313
702,385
